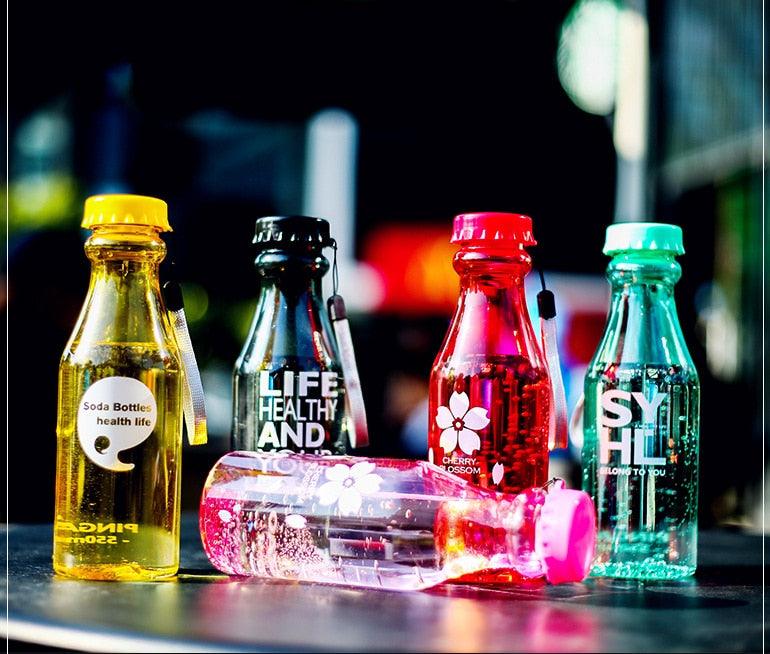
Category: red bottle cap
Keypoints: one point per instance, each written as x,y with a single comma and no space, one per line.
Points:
489,227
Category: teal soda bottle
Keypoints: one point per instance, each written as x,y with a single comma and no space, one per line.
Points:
641,414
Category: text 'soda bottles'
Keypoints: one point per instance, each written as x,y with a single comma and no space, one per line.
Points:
490,395
641,414
120,406
288,390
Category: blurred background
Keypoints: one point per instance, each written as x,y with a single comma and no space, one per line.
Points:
389,118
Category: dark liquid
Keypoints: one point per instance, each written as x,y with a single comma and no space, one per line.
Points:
288,390
517,399
314,417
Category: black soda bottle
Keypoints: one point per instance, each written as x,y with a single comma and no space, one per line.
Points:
288,390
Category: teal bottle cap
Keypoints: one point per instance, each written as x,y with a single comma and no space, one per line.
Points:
624,237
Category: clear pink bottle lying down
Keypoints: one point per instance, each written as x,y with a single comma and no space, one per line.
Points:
386,523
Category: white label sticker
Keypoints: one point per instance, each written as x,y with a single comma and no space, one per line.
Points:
115,414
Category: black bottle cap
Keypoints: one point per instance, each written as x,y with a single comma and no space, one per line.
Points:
296,233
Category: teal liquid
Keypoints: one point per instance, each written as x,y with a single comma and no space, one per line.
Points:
646,514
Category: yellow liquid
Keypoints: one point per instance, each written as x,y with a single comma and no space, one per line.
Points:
120,525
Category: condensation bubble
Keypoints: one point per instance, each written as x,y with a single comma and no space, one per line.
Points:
296,521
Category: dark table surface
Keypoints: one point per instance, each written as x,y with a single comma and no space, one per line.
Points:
201,610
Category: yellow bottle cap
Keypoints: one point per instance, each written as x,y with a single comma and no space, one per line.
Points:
123,209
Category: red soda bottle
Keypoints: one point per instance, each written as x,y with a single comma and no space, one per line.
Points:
490,394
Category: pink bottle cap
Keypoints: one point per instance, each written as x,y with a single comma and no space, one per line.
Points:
565,535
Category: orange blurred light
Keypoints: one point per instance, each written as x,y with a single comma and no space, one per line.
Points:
415,266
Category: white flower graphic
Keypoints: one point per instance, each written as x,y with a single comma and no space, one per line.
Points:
347,484
460,424
497,472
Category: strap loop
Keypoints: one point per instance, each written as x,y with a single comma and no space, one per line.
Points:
192,390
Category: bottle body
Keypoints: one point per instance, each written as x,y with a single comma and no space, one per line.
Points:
490,394
380,523
288,389
641,427
119,431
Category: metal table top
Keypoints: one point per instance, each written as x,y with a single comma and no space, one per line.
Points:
202,610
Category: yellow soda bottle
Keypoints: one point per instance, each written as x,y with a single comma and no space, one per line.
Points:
120,410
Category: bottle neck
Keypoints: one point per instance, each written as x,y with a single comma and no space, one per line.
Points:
132,243
643,325
290,321
491,316
125,257
644,268
510,262
292,274
124,302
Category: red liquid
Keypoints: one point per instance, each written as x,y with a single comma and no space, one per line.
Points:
516,397
473,534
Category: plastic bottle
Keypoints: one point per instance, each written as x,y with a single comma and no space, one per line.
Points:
288,389
120,406
641,414
490,394
386,523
